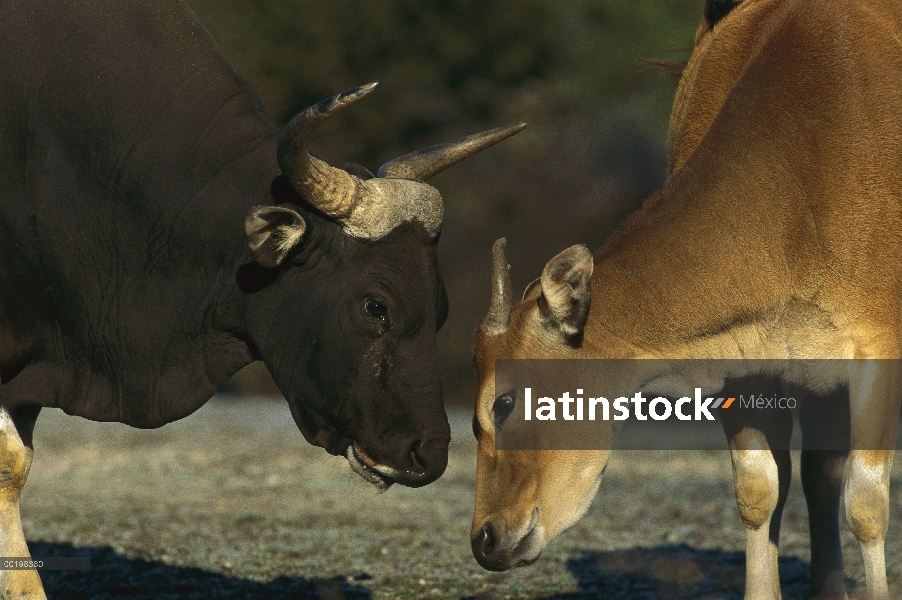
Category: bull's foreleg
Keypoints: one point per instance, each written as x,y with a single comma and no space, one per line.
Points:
874,396
15,460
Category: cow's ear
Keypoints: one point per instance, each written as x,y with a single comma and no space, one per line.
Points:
566,291
272,231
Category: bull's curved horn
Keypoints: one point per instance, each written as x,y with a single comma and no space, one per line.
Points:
370,208
423,164
333,191
499,318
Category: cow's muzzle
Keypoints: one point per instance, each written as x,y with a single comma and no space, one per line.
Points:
496,551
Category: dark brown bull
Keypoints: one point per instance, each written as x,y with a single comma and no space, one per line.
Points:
142,261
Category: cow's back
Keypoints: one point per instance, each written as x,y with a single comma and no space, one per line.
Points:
130,148
822,58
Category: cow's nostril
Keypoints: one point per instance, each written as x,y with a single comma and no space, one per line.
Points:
487,541
485,550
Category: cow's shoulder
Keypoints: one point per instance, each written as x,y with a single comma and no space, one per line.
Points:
760,52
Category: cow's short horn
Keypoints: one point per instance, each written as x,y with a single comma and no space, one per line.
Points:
423,164
499,318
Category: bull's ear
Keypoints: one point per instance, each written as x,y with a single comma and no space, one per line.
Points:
566,291
272,231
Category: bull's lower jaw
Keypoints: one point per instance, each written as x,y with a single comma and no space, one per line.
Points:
379,475
330,442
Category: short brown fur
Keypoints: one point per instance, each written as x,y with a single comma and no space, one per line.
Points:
777,235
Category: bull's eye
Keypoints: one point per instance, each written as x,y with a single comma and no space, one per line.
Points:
376,309
503,407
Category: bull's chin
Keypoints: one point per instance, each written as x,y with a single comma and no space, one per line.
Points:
378,475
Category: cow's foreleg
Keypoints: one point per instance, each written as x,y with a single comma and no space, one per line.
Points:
760,495
874,394
15,461
784,476
762,473
867,511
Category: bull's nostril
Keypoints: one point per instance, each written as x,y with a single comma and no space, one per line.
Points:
417,464
423,463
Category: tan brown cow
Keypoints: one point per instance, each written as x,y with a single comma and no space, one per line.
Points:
778,235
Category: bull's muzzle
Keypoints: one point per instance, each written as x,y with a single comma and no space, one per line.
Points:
422,463
428,460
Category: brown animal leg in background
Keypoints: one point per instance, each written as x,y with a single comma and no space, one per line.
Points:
762,472
825,422
874,394
15,461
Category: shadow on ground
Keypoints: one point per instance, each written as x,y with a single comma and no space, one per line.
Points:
115,576
673,572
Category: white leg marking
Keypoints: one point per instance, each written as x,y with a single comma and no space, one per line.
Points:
15,460
867,511
757,491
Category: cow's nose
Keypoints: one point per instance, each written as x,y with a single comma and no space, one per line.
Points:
485,550
427,461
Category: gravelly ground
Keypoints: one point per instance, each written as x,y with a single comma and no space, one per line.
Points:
231,503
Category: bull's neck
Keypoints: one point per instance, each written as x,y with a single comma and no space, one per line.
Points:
700,272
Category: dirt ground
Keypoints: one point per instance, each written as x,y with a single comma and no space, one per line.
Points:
232,503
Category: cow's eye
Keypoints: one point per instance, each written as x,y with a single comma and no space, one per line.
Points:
503,407
376,308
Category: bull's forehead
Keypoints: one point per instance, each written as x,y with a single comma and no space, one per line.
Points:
391,202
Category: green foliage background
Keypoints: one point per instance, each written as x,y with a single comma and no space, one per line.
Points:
595,145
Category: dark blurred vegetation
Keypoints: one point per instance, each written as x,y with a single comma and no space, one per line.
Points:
596,140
